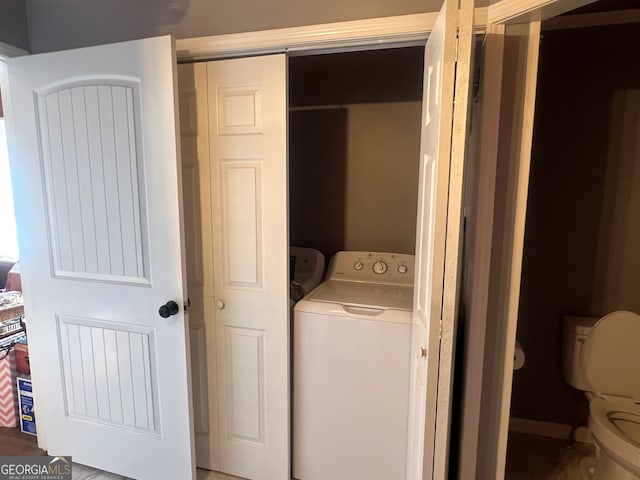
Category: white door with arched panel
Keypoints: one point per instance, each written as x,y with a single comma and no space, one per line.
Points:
95,168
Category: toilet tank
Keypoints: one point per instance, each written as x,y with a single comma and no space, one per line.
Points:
575,331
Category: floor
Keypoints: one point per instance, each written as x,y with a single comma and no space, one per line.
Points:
81,472
530,457
15,443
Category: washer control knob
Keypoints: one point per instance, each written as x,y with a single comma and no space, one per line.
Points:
380,267
402,269
358,266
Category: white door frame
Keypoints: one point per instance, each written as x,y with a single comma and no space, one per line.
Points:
496,272
7,51
481,193
359,34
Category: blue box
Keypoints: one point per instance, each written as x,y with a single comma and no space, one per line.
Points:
25,401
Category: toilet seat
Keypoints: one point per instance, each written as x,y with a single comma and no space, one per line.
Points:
622,442
611,357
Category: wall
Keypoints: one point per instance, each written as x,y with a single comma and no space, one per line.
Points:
9,237
354,139
317,178
353,181
383,158
616,283
13,23
62,24
581,254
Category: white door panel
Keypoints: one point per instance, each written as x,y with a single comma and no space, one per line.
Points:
196,181
247,121
94,165
439,70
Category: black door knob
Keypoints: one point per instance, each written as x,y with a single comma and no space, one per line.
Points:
168,309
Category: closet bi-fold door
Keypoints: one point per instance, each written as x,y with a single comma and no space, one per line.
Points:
248,154
447,69
196,181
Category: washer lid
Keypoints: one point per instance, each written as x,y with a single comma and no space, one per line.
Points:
611,356
364,294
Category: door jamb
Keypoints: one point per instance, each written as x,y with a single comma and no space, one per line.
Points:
524,147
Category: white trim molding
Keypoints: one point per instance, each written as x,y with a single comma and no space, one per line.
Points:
524,11
403,29
550,430
7,51
505,10
480,19
514,206
616,17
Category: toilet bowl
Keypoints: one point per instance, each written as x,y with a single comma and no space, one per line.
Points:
608,369
615,426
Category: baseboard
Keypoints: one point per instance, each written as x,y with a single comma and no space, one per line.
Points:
549,429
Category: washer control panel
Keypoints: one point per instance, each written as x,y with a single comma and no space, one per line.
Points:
372,267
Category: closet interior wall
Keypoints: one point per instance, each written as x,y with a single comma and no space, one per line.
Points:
354,148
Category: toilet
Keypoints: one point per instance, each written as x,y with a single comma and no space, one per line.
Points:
602,358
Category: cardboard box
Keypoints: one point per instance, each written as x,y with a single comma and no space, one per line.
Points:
8,390
14,279
22,358
27,412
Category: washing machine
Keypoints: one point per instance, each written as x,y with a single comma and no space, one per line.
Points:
351,363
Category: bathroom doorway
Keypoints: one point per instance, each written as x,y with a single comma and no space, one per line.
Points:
581,235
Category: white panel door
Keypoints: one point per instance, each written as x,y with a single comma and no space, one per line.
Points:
435,152
247,121
94,163
196,181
